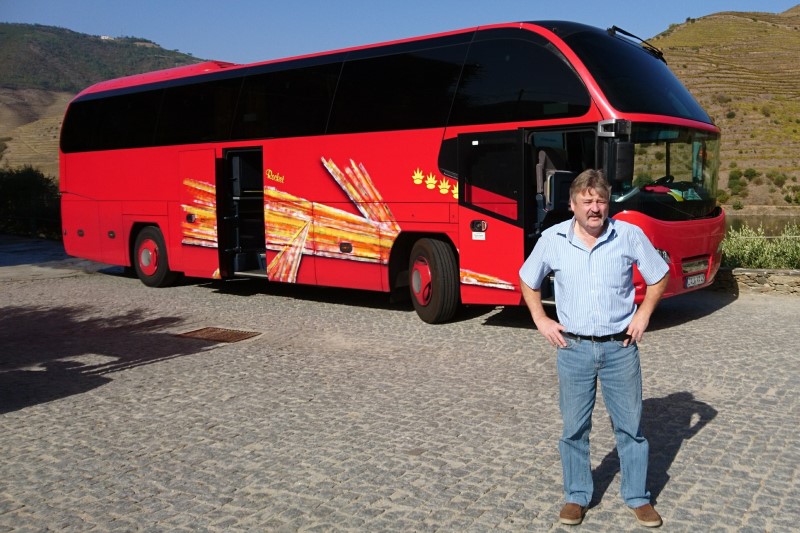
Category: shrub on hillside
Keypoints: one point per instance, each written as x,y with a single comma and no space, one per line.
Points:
778,178
736,184
751,173
30,203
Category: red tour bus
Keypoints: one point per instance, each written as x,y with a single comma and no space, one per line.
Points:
426,166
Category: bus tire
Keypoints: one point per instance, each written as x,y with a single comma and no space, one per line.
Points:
150,259
433,280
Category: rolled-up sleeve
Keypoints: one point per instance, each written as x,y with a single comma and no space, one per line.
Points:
651,265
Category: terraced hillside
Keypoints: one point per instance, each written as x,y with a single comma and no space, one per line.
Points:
744,68
34,141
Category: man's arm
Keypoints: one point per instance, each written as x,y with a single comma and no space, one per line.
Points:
549,328
641,319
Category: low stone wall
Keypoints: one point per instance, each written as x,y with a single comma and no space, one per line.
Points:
756,280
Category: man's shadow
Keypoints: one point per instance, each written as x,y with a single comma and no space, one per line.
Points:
666,422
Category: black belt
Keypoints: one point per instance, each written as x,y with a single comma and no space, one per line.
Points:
605,338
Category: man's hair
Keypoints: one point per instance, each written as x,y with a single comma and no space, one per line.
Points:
590,179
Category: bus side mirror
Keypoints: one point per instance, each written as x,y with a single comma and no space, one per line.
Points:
619,161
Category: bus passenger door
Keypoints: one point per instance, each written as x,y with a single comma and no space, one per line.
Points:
491,171
240,213
195,219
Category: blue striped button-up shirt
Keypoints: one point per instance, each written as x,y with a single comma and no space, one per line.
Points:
594,287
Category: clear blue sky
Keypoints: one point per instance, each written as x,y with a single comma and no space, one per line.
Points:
243,31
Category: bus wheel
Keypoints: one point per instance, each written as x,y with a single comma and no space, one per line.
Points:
433,280
150,259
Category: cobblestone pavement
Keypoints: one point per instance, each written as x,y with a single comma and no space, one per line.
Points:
347,413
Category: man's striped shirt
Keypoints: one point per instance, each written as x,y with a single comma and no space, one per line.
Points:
594,288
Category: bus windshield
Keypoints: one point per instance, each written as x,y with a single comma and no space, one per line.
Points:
633,79
675,173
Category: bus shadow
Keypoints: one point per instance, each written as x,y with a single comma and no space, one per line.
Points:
311,293
53,353
667,423
348,297
689,307
517,316
670,312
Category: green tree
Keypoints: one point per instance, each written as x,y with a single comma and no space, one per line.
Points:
30,203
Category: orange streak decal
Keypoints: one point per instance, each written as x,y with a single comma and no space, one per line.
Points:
308,227
285,265
203,231
469,277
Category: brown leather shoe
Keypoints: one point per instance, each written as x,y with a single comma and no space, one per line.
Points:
571,514
647,516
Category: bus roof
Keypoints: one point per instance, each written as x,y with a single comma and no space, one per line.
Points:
159,75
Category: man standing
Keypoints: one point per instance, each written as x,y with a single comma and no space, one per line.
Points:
596,335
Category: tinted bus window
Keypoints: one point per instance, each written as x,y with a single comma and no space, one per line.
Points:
198,113
286,103
407,90
124,121
510,79
632,79
491,164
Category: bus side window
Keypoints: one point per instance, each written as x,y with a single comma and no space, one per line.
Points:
491,172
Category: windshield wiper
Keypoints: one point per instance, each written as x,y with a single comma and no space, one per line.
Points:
646,45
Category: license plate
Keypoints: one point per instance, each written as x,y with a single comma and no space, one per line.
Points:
694,281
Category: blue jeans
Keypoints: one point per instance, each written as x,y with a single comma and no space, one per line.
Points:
580,364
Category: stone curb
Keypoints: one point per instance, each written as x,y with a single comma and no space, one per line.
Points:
757,280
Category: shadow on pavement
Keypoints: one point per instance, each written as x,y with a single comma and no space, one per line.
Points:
52,353
670,312
685,308
311,293
667,423
15,251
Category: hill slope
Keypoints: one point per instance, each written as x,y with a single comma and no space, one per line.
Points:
60,60
43,67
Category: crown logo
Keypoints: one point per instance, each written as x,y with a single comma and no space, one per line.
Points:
418,176
430,181
444,186
455,191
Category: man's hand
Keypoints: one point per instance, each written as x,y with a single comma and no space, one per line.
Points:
549,328
637,327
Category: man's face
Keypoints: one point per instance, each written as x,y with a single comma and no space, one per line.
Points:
591,210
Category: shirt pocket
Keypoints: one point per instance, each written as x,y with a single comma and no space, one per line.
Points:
617,272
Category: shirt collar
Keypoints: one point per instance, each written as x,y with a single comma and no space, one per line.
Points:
608,231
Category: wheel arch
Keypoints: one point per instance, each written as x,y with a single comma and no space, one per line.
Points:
401,253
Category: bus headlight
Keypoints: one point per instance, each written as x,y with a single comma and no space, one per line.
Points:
664,255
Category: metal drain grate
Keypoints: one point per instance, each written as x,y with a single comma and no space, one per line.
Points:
219,334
